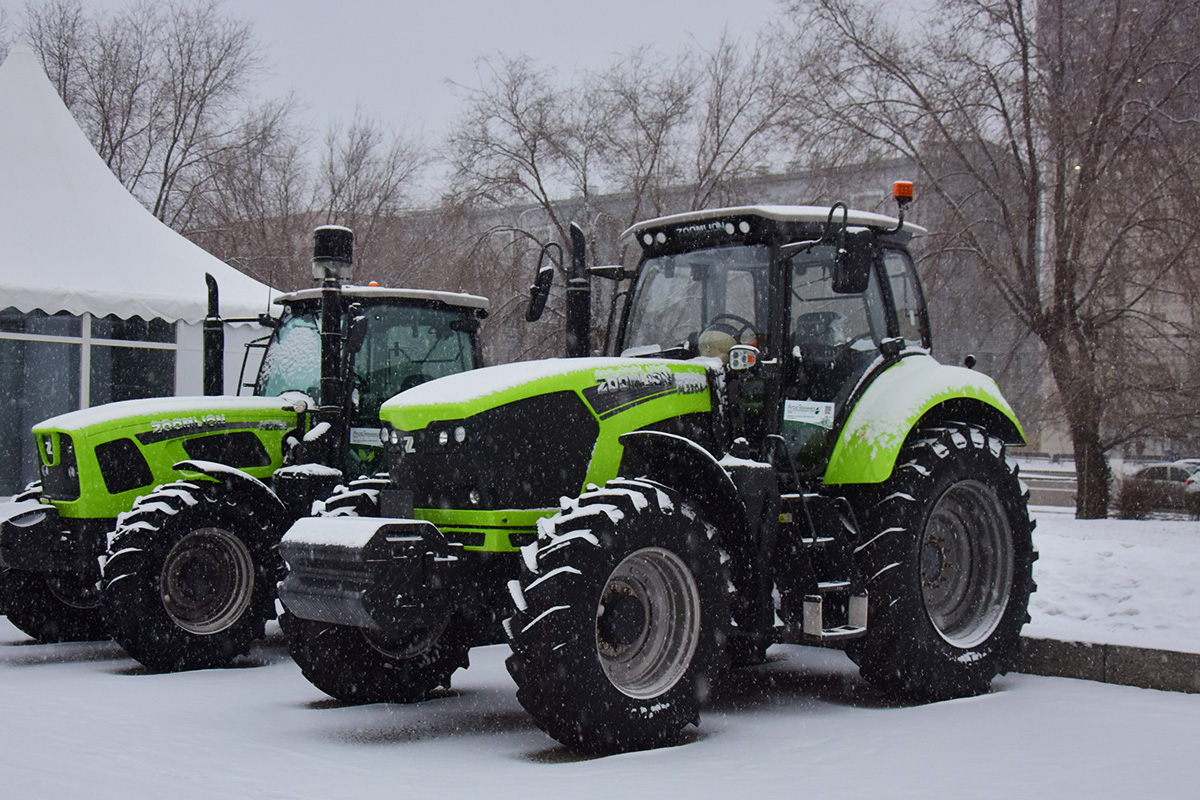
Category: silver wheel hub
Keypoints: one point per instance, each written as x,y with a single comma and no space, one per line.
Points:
967,564
648,623
207,581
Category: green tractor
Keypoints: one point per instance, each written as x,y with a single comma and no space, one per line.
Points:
157,521
775,457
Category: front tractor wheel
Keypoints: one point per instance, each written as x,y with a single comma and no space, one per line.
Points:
947,551
620,627
355,665
52,607
190,578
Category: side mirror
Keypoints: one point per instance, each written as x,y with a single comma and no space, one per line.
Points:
853,262
542,279
357,333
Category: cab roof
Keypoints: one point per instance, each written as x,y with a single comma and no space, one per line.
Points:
803,214
380,292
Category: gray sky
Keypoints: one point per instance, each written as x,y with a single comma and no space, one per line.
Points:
394,58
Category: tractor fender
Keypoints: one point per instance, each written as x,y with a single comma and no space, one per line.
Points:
689,469
239,483
915,390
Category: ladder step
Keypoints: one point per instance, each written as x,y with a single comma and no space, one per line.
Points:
814,622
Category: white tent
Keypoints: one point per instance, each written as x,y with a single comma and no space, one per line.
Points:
99,301
73,238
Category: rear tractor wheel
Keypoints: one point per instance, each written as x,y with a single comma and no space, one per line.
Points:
948,554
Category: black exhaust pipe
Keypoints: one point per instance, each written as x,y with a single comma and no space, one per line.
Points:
214,343
332,259
579,298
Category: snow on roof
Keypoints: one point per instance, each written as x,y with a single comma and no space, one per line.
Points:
449,298
779,213
75,239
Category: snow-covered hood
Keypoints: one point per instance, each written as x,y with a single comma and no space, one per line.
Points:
160,415
606,384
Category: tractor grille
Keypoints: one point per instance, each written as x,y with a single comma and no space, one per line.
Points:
61,481
526,454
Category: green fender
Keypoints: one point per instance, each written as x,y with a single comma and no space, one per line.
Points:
916,389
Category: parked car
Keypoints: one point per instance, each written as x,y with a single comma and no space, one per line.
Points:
1160,487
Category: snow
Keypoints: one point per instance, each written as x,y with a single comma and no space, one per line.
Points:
1117,581
466,387
83,720
169,409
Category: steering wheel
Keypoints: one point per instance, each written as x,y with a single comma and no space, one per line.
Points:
742,325
719,336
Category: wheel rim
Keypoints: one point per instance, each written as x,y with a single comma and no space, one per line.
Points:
967,564
405,646
70,592
207,581
648,623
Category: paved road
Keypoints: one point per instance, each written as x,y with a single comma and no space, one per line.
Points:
1049,487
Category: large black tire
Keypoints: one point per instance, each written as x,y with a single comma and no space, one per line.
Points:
622,619
359,666
190,578
51,607
354,665
947,553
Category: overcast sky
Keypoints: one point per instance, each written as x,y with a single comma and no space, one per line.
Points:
395,58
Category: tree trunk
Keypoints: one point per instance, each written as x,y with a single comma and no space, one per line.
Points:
1076,381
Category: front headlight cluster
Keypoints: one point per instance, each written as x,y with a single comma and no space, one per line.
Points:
433,439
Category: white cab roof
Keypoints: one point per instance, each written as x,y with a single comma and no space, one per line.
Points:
369,292
780,213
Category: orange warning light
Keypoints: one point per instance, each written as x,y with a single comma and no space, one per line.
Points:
903,192
374,283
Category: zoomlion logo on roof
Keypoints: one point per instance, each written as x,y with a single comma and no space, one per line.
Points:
700,228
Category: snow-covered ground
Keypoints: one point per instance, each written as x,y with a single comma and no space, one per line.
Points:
1129,582
84,721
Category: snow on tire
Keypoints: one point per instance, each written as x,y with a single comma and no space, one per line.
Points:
190,578
947,553
621,619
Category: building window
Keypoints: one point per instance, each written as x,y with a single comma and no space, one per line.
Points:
54,363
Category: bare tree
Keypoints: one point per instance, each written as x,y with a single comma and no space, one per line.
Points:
1053,139
258,214
365,178
159,89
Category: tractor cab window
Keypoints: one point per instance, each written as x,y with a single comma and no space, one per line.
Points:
835,339
405,346
910,302
702,302
292,362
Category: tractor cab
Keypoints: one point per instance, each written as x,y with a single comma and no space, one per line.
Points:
808,301
404,338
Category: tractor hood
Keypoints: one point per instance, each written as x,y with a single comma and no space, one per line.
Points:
94,462
608,386
158,417
520,436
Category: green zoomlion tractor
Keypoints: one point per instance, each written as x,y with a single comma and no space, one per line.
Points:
157,521
774,457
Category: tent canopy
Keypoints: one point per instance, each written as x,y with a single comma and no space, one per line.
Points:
72,238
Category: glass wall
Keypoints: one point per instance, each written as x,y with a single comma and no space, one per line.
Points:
51,364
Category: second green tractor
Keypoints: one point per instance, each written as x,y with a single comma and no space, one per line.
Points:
774,457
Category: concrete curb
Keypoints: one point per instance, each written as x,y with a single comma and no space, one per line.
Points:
1167,670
